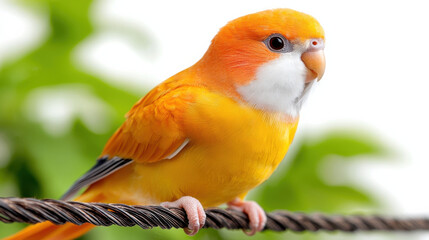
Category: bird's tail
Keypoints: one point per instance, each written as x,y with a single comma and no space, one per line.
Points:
49,231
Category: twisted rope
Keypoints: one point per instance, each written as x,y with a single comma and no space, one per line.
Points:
31,210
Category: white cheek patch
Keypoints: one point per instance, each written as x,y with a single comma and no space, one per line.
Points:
278,85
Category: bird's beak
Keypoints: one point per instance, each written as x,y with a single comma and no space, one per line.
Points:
314,60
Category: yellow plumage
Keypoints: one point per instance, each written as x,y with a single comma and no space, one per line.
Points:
232,149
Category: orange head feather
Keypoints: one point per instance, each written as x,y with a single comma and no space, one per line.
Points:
238,50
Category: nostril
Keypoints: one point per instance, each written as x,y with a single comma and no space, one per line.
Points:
316,44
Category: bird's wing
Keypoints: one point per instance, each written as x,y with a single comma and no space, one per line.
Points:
152,132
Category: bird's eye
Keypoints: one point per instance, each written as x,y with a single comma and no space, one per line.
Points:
278,43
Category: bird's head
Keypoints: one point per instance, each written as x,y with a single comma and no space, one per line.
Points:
267,59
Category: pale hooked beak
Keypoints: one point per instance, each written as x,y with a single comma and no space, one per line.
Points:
314,60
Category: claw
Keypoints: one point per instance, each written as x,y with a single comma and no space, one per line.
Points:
194,210
257,216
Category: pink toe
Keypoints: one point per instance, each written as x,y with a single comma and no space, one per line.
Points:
194,211
257,217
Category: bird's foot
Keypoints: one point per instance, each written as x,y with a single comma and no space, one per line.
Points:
257,216
194,210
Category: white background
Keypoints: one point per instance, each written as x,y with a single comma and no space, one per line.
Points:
376,78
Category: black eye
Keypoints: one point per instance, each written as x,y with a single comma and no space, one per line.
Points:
278,43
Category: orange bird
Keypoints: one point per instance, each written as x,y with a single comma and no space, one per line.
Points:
209,134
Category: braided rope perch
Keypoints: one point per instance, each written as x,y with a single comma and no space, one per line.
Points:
31,210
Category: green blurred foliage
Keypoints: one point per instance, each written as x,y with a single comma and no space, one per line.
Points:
43,164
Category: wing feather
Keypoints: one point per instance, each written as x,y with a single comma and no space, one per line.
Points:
153,130
101,169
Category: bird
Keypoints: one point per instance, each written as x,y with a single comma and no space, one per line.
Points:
212,132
